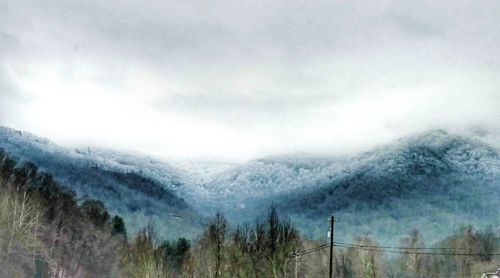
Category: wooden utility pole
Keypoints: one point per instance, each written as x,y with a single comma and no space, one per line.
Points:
332,221
217,263
297,259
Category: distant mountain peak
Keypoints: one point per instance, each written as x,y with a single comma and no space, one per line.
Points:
442,141
24,134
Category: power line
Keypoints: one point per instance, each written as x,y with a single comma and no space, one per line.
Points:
396,247
321,247
383,249
315,249
418,253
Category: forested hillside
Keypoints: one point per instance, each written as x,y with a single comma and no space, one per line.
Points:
43,229
46,233
143,191
434,181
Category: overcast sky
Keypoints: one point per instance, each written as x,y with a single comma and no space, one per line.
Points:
241,79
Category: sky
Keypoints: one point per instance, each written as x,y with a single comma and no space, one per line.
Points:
235,80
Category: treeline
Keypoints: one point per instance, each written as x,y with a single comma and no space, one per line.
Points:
269,248
459,255
260,250
46,232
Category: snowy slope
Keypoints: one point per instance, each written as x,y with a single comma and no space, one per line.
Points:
272,175
433,181
140,189
429,180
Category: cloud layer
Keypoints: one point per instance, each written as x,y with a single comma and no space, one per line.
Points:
243,79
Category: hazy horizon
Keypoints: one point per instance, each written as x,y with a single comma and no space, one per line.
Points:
237,81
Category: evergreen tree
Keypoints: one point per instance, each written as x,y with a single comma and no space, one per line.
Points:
96,211
118,227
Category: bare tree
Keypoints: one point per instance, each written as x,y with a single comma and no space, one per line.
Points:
143,258
413,263
217,230
20,220
272,244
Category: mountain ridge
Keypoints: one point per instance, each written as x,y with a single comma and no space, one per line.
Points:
427,170
139,198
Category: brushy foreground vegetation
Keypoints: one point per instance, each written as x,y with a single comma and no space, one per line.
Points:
46,232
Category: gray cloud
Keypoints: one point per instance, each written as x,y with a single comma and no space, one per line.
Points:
10,94
288,67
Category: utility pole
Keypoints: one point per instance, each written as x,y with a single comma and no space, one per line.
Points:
217,263
332,221
297,259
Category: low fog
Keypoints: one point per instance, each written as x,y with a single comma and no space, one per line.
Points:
237,80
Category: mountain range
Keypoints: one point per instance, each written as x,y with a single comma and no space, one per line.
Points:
433,181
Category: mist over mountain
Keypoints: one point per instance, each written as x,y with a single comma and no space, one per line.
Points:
123,182
433,181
